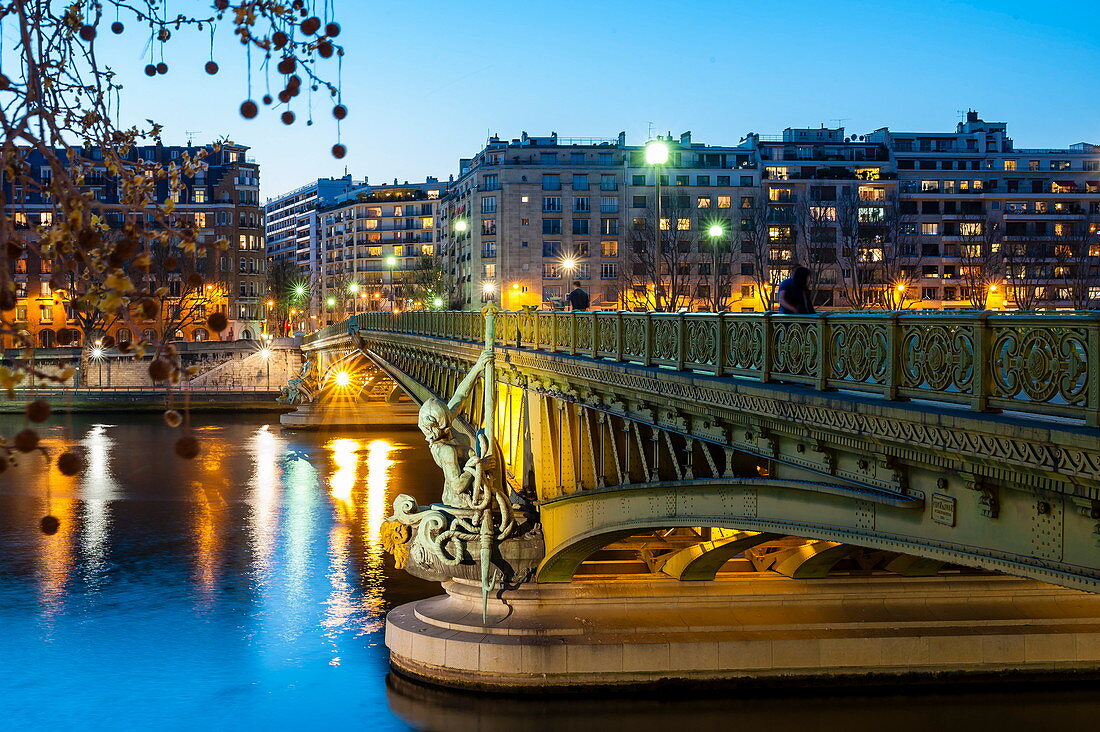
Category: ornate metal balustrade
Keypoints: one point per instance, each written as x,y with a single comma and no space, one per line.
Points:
1026,362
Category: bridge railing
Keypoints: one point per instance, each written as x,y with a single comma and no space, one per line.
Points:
1030,362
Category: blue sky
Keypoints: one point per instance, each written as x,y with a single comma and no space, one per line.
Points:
425,81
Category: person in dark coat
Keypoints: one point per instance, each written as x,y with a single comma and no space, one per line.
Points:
795,297
578,298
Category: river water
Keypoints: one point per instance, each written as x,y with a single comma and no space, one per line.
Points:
247,590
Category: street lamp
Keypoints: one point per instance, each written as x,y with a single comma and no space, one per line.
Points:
716,231
97,356
265,354
461,226
656,154
391,262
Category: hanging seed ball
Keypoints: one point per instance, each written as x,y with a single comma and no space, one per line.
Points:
217,322
284,96
49,525
211,67
87,32
70,463
162,68
221,4
249,109
311,25
38,410
287,117
187,447
149,308
5,82
339,111
309,123
194,280
286,65
159,369
339,151
267,99
150,70
324,48
117,28
26,440
7,299
332,30
279,39
164,35
173,418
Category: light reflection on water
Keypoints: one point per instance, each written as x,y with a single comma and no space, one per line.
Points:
247,589
251,579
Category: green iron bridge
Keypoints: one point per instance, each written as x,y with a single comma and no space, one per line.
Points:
680,444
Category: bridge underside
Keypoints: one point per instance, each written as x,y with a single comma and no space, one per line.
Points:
700,526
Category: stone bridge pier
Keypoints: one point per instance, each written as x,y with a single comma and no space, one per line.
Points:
640,497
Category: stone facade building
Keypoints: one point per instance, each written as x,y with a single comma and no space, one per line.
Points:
378,249
222,202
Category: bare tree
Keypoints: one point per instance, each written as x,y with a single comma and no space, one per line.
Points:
660,259
860,251
1027,266
815,247
1077,262
902,253
59,120
981,257
768,258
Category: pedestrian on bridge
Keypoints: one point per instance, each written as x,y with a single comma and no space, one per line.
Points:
577,298
795,297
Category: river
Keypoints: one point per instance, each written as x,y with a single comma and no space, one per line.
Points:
247,590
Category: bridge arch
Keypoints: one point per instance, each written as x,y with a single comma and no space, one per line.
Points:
753,511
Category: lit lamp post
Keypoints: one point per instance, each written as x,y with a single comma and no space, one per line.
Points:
353,290
265,353
461,226
97,356
331,302
716,232
391,262
568,265
656,154
488,288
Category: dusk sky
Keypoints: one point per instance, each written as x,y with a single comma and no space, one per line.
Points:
425,82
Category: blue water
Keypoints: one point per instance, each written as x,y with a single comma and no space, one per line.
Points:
246,587
246,590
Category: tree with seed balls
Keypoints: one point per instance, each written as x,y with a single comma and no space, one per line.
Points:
59,107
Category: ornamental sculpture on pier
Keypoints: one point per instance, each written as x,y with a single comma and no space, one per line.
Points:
480,530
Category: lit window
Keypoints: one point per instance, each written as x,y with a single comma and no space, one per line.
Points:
1010,165
724,201
427,222
702,202
609,248
683,224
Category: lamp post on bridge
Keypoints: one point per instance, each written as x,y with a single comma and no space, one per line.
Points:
656,154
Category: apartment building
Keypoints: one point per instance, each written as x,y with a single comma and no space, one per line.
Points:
998,226
526,217
292,230
379,248
222,201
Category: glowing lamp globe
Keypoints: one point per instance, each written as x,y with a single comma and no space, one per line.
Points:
656,152
716,230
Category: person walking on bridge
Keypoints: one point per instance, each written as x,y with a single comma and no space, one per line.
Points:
577,298
795,297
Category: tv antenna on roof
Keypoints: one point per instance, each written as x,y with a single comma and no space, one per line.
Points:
650,136
190,134
961,113
839,120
